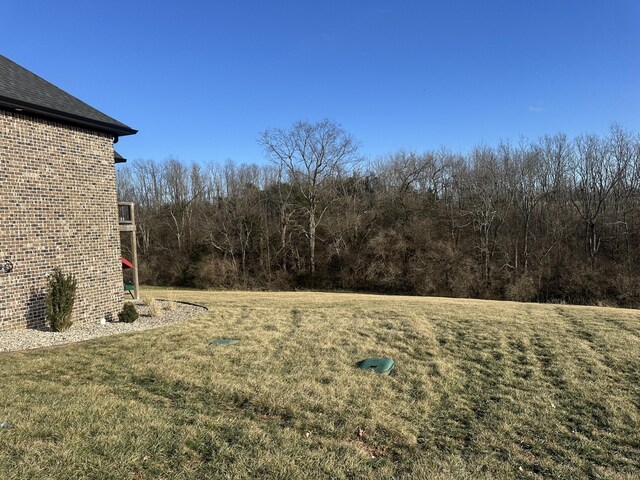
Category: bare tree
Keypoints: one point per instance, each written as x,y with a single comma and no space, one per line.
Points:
489,201
596,172
531,187
312,154
624,150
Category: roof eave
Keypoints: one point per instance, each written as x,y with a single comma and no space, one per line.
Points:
24,107
117,158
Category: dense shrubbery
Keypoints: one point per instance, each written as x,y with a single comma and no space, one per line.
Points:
550,220
61,294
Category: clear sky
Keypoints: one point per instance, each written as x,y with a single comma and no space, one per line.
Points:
200,80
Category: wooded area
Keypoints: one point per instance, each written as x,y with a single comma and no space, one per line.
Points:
555,219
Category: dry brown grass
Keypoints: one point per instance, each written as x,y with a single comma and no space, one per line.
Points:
146,299
482,390
153,306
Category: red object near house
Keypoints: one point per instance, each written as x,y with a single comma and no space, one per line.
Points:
126,263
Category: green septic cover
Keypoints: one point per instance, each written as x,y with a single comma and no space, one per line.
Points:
380,365
223,341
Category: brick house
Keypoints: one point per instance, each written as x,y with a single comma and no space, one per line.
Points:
58,203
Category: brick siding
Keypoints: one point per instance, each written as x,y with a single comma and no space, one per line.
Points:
58,208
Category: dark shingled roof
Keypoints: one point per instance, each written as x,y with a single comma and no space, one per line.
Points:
22,90
117,158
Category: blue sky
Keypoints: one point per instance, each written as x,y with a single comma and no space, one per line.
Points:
200,80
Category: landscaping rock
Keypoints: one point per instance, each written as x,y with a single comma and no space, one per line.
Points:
32,338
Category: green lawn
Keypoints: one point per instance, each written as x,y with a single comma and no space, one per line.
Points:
482,390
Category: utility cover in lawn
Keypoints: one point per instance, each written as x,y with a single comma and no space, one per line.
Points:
379,365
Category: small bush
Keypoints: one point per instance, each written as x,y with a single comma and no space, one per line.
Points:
152,304
154,308
170,306
61,295
129,313
147,300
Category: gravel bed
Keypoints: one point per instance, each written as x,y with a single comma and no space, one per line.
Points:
32,338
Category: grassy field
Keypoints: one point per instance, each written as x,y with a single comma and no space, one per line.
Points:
481,390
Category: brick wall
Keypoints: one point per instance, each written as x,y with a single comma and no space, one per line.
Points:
58,208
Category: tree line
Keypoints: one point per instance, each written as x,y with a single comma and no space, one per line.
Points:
555,219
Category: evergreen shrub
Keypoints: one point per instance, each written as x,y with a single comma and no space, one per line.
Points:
129,314
61,295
